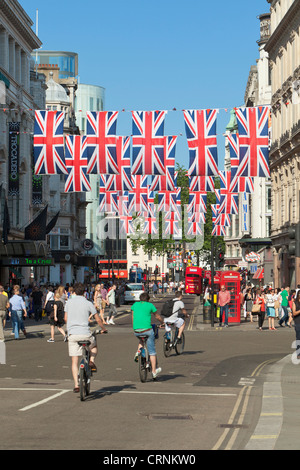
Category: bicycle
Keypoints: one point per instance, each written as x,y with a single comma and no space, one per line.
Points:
85,372
171,341
143,357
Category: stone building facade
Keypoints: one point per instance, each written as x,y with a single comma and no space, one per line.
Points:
283,48
22,91
250,229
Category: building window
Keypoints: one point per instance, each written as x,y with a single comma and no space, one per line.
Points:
60,239
269,199
268,226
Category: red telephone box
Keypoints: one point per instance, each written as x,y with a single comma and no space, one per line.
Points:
232,282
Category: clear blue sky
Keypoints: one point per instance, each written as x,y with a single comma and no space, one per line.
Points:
159,54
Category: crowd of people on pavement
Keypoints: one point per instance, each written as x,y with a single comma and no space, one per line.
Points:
46,302
99,302
267,302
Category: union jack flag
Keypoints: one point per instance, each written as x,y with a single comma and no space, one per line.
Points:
150,227
194,228
223,219
126,227
254,140
171,226
229,202
148,142
201,135
198,217
167,182
215,211
108,202
76,162
102,142
238,184
197,202
218,231
48,143
123,204
122,181
201,183
138,197
167,201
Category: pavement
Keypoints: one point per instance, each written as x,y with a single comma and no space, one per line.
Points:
279,422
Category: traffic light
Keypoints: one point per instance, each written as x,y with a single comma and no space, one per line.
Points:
220,259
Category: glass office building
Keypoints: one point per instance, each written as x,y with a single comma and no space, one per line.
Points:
88,98
66,61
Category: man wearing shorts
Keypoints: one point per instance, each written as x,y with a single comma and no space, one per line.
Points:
178,309
141,323
78,312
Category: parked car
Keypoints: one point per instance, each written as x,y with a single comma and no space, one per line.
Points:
133,292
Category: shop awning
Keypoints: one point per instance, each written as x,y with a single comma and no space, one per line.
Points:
259,274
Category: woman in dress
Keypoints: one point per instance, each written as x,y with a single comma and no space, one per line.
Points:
277,305
249,304
56,318
98,298
260,299
270,303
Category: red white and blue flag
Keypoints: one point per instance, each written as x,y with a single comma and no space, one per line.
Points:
148,142
238,184
194,228
197,202
201,183
76,163
167,201
198,217
253,128
138,197
122,181
229,201
48,143
218,231
102,142
171,226
201,130
223,219
108,202
166,182
126,226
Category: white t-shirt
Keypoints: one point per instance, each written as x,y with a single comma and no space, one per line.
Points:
178,305
78,310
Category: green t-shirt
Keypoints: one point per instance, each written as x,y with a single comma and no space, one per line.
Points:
284,294
142,315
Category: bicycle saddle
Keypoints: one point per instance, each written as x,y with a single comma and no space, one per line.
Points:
84,343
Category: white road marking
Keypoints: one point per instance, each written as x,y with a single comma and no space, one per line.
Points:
42,402
130,392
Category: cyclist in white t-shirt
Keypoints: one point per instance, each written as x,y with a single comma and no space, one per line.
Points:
179,322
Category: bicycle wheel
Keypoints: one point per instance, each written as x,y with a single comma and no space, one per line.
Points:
87,385
167,346
82,383
179,347
143,365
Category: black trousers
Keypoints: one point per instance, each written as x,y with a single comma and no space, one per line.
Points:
261,319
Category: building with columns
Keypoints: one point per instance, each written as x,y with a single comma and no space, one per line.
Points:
283,48
250,230
22,90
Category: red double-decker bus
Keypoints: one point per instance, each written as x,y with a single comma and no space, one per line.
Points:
109,269
193,280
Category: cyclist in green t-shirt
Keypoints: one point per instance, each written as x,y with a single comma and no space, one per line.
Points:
141,322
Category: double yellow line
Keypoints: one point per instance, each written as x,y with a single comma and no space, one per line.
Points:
239,412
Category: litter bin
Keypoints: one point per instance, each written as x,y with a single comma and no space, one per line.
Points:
207,313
